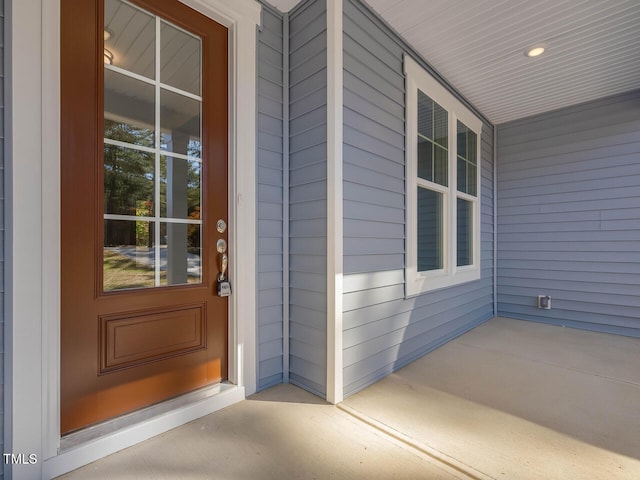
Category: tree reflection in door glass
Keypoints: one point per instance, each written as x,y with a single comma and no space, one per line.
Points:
128,181
152,151
180,182
130,260
129,257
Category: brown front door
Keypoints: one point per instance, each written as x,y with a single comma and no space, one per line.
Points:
144,183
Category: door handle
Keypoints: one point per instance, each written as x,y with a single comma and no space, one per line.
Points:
224,285
221,246
223,267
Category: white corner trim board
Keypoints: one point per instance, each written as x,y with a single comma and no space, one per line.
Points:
33,292
334,202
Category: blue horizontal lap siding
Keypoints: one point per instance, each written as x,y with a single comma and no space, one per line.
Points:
270,198
383,331
308,196
569,216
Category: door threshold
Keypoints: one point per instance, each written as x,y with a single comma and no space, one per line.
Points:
87,434
92,443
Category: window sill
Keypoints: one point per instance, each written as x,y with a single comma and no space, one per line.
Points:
418,283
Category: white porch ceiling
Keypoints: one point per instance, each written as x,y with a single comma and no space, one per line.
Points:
593,49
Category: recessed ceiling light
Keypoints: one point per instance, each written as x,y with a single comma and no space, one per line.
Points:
535,50
107,34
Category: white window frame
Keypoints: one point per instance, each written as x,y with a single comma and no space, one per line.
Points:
420,282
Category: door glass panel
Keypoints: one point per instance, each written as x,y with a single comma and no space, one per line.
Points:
130,38
180,188
128,181
180,257
180,123
129,254
180,59
129,109
153,106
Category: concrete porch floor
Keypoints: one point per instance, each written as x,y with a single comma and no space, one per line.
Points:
510,399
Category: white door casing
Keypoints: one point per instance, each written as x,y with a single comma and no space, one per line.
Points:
32,308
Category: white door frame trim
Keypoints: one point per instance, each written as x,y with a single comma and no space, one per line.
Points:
33,236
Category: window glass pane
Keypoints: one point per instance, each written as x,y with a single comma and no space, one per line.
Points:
129,111
129,255
128,181
425,159
180,188
425,115
472,177
464,238
179,59
180,124
472,147
466,164
434,170
131,38
430,234
462,140
441,166
462,175
180,255
440,126
432,140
